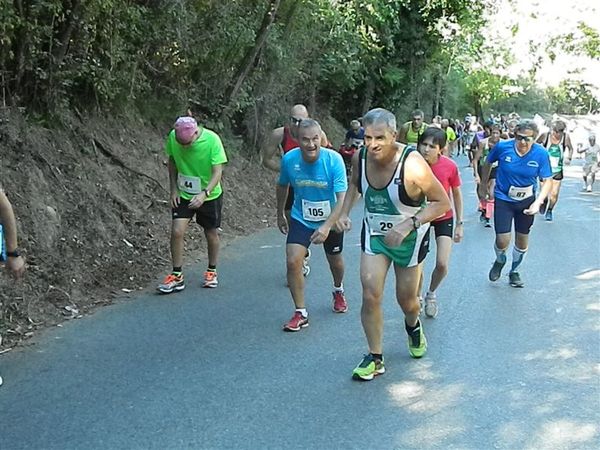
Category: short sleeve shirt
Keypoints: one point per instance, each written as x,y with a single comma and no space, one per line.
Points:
315,184
446,171
359,134
195,162
516,172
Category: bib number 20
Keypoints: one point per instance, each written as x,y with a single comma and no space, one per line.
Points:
385,226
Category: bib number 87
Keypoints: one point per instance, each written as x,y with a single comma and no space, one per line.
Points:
386,226
316,212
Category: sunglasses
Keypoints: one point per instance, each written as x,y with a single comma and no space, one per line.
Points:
521,138
295,121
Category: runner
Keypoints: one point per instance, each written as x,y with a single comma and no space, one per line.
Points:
196,159
486,193
318,178
432,146
281,141
394,181
591,162
521,162
450,138
409,132
556,142
9,252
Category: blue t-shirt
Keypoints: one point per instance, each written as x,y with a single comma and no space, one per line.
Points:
515,171
359,134
315,184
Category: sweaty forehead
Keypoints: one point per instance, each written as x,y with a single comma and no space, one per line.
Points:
377,129
309,132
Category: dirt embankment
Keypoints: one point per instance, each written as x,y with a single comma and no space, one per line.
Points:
90,198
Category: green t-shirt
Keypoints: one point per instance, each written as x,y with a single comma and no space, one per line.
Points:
194,163
412,136
450,135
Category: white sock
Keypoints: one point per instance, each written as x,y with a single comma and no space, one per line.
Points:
302,311
338,289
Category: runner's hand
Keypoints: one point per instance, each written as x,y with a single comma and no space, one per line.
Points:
396,235
320,234
343,224
175,199
533,209
16,266
458,233
282,224
197,200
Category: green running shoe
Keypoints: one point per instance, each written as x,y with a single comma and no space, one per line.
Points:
368,368
417,343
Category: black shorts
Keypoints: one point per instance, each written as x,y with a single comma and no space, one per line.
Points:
443,228
208,216
289,201
507,212
299,233
558,176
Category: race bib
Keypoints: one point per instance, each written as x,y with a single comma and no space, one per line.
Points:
316,211
380,224
555,162
188,184
520,193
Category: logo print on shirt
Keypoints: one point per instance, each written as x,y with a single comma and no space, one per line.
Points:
508,159
378,200
533,164
397,181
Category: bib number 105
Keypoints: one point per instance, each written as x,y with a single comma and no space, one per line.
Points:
316,212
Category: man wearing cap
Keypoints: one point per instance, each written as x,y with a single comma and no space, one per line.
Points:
196,159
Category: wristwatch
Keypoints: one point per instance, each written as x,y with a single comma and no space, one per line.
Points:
206,191
416,222
14,254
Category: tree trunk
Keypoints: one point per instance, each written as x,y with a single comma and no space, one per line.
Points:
246,65
368,95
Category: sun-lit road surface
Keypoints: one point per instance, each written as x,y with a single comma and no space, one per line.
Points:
506,368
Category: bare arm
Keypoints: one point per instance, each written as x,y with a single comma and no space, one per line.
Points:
402,134
458,213
172,174
419,175
16,264
476,158
321,233
270,150
352,196
569,146
535,206
281,193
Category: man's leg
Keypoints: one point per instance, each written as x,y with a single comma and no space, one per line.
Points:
214,244
523,223
503,218
407,282
373,270
174,281
333,247
209,218
442,258
553,198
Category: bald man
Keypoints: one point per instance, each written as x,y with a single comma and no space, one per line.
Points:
281,141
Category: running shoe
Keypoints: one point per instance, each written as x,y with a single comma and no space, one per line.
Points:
496,270
588,189
486,222
482,218
297,322
514,279
543,207
339,302
431,308
210,279
417,343
368,368
549,216
171,283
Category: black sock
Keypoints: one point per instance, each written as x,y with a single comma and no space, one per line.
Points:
550,208
212,268
378,356
411,330
177,269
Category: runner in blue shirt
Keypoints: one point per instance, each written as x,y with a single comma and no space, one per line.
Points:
521,163
318,177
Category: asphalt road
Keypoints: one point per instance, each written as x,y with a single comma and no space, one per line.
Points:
506,368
